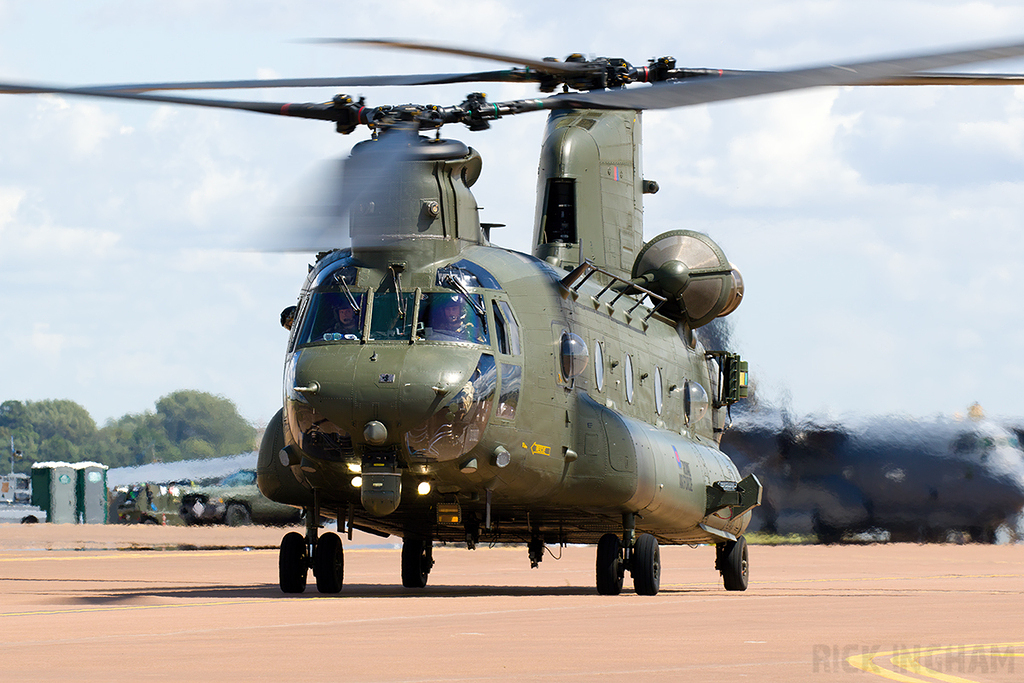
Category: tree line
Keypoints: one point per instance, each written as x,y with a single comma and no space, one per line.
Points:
186,425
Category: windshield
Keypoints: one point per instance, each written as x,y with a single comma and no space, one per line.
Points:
392,316
447,316
331,317
442,316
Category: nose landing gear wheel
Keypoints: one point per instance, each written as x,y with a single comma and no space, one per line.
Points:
417,560
731,561
293,563
610,569
646,568
329,564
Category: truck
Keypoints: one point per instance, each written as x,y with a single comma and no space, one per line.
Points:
16,500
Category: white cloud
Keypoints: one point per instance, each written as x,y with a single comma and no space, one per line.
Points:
10,200
84,126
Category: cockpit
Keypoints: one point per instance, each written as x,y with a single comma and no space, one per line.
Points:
337,311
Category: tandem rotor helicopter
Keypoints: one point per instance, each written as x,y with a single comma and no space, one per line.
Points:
439,388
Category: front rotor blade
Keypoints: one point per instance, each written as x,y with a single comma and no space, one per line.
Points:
322,111
539,65
504,76
319,219
701,91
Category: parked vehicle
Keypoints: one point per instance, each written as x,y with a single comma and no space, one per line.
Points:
147,504
16,500
235,501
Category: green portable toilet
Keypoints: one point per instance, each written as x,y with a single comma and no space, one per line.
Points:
53,489
91,489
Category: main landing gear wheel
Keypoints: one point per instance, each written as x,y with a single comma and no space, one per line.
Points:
329,563
293,563
646,565
417,560
610,569
731,561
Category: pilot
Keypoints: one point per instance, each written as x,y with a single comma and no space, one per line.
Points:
347,322
450,319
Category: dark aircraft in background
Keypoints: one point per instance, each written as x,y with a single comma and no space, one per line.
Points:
917,479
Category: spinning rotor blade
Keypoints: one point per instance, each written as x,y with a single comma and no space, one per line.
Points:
700,91
551,67
953,79
256,83
695,87
319,221
311,111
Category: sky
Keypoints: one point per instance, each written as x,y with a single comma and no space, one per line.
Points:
878,230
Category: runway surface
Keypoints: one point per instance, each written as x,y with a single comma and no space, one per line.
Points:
113,603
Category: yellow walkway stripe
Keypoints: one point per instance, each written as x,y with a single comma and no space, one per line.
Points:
908,661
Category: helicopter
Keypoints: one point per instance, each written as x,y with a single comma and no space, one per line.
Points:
912,479
442,389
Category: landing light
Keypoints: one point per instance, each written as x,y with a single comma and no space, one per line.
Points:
424,488
357,481
355,468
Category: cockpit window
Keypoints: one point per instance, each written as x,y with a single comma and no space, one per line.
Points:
447,316
331,317
392,316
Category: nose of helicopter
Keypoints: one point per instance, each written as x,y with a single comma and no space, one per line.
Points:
428,403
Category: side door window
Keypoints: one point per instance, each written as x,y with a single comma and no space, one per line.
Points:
506,329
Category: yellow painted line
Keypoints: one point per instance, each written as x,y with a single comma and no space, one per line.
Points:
754,583
128,608
909,577
79,555
76,555
866,662
908,660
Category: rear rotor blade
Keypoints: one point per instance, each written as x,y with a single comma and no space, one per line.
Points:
701,91
953,79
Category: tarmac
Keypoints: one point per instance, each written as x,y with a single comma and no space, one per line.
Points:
140,603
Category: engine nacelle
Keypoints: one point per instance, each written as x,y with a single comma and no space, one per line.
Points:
693,272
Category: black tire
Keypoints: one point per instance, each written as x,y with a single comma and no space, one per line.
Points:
609,565
417,560
734,565
646,568
237,515
293,563
329,564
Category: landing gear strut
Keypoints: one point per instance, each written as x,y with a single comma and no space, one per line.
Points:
535,548
639,554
